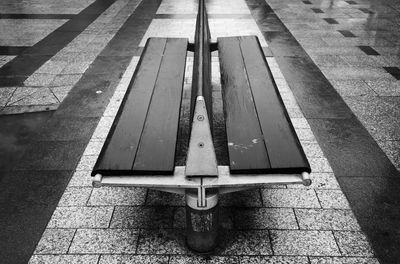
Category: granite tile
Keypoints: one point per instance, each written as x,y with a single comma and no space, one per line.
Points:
353,244
343,260
81,179
52,67
158,198
5,94
75,196
162,241
319,165
319,181
298,198
273,259
352,87
81,217
312,150
41,96
93,148
104,241
61,92
332,199
262,218
314,243
39,79
103,128
326,219
203,260
248,198
64,259
385,87
133,259
86,163
249,242
142,217
392,150
55,241
117,196
65,79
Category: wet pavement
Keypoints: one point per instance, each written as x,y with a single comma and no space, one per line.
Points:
65,66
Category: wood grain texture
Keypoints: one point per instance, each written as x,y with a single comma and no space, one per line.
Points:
119,151
156,153
279,140
247,152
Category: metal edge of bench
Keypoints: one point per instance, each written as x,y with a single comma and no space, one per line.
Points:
179,180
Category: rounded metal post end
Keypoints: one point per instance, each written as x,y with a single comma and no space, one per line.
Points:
306,179
96,182
202,222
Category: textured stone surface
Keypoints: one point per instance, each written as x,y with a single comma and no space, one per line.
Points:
55,241
261,218
273,260
343,260
246,243
103,241
81,217
250,198
314,243
75,196
117,196
353,243
163,241
326,219
332,199
142,217
290,198
203,260
64,259
133,259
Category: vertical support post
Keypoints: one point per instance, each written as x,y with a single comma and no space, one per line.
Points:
202,220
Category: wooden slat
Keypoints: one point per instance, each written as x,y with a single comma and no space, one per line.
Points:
246,146
156,153
120,148
284,150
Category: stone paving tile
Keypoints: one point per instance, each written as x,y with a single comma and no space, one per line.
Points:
21,93
158,198
117,196
64,259
41,96
65,79
39,79
52,67
273,260
203,260
55,241
81,179
343,260
392,150
319,181
352,87
60,92
93,148
104,241
305,134
312,150
314,243
326,219
142,217
261,218
133,259
249,198
75,196
319,165
329,60
86,163
103,128
334,199
249,242
6,94
385,87
81,217
162,241
353,243
297,198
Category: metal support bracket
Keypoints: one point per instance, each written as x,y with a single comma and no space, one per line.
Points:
201,159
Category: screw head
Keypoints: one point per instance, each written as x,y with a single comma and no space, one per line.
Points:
201,144
200,117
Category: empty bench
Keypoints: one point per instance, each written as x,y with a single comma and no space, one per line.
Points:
260,135
142,139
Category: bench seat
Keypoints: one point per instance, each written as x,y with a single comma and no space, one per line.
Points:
143,137
261,138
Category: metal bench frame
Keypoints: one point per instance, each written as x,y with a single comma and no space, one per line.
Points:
201,180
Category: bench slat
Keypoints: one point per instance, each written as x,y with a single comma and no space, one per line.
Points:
156,153
120,148
284,150
243,56
246,146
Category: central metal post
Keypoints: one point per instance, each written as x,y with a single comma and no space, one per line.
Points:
201,206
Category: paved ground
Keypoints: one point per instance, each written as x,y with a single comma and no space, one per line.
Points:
335,64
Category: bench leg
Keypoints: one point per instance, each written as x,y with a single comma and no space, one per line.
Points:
202,221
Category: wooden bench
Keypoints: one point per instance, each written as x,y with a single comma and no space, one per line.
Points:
261,138
143,136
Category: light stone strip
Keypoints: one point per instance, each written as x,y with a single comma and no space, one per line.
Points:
50,84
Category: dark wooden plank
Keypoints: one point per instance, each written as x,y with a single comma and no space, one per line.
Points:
246,146
119,152
156,153
284,150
